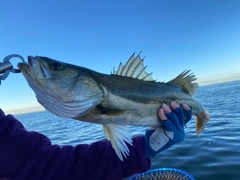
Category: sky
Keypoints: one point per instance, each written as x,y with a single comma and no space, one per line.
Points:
200,35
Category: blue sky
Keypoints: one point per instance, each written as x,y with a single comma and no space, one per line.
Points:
201,35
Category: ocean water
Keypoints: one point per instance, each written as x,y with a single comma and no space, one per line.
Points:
215,154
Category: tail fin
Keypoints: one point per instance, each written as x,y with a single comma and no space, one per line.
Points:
201,121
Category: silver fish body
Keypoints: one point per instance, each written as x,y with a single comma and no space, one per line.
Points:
135,102
129,96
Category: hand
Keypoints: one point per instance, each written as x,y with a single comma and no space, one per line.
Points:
173,119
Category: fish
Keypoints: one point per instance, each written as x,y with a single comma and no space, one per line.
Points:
126,96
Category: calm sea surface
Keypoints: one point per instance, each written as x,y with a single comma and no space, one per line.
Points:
215,154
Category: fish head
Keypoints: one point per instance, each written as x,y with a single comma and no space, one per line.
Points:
63,89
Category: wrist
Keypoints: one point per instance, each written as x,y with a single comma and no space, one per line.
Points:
150,152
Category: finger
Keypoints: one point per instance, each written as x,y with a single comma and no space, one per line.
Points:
161,114
185,107
166,109
188,115
174,105
172,117
180,116
184,114
187,110
178,112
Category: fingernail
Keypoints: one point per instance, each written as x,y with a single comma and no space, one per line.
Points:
164,105
174,105
161,114
185,107
166,109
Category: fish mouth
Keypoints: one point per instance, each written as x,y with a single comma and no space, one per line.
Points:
32,61
34,67
25,66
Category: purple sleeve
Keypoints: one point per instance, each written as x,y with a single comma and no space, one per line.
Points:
30,155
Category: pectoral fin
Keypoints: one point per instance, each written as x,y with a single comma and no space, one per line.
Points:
70,109
119,136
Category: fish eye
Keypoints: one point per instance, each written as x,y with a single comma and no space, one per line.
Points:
55,66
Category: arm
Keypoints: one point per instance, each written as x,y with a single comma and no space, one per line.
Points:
30,155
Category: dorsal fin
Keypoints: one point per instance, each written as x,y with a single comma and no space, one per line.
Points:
134,68
185,80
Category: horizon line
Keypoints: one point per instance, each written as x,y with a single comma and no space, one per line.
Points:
41,108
